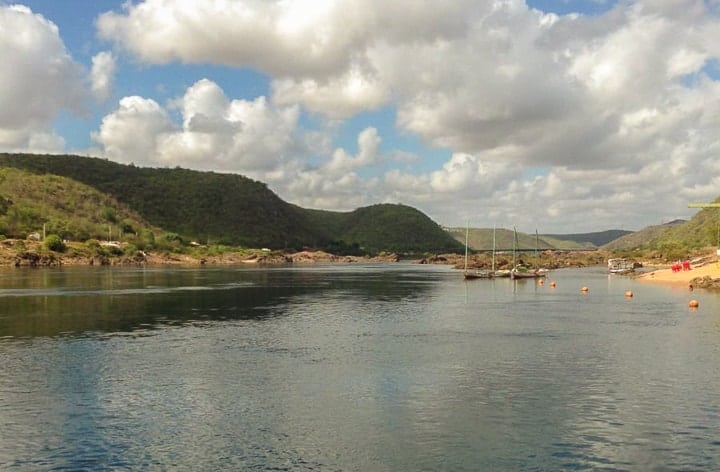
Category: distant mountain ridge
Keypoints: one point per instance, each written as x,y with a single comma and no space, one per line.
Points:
596,239
233,209
481,239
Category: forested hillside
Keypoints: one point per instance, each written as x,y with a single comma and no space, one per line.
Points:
31,203
232,209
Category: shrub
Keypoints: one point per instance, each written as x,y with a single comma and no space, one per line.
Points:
54,243
109,214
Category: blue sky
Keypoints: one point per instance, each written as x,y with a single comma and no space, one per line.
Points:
565,116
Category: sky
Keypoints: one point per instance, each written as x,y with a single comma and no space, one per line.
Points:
561,116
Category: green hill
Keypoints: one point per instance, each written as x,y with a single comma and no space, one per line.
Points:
596,239
394,227
232,209
677,240
30,203
642,238
480,239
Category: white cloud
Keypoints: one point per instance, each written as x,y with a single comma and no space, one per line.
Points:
251,137
131,133
311,36
39,79
337,97
102,74
368,146
560,120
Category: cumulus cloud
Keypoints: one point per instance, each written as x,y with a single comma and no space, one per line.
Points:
102,74
368,145
544,117
217,133
315,50
131,133
39,79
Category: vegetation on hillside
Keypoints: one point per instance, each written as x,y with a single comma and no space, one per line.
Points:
392,228
674,240
481,239
230,209
84,198
641,239
596,239
33,204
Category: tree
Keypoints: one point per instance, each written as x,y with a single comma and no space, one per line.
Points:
54,243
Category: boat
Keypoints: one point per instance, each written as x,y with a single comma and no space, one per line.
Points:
521,271
620,266
478,274
475,274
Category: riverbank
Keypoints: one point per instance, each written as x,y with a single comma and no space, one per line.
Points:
17,253
25,253
701,276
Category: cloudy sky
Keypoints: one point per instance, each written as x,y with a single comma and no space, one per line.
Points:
561,115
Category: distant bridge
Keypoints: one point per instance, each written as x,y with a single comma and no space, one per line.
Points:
539,250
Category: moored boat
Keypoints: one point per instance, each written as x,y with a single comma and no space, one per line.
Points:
476,274
620,265
521,271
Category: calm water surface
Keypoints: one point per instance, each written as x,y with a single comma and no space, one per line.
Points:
354,367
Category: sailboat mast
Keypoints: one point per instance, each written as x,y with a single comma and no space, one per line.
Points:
514,245
467,232
493,253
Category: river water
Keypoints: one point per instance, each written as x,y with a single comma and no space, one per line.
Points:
354,367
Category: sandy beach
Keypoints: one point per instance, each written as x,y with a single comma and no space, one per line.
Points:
667,276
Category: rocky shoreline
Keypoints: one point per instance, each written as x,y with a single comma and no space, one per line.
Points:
30,254
15,253
36,256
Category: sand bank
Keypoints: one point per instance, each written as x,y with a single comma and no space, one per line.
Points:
667,276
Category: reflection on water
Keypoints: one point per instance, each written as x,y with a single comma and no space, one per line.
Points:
345,367
80,300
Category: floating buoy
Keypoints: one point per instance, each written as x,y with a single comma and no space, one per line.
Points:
629,294
693,304
584,289
552,284
541,281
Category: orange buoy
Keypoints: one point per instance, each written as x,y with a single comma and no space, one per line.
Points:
552,284
629,294
541,281
693,304
584,289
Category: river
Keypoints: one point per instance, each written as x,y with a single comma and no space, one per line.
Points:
394,367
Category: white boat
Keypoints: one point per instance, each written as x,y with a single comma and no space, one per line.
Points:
620,265
522,272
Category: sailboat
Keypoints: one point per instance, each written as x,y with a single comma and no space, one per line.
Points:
476,274
520,271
